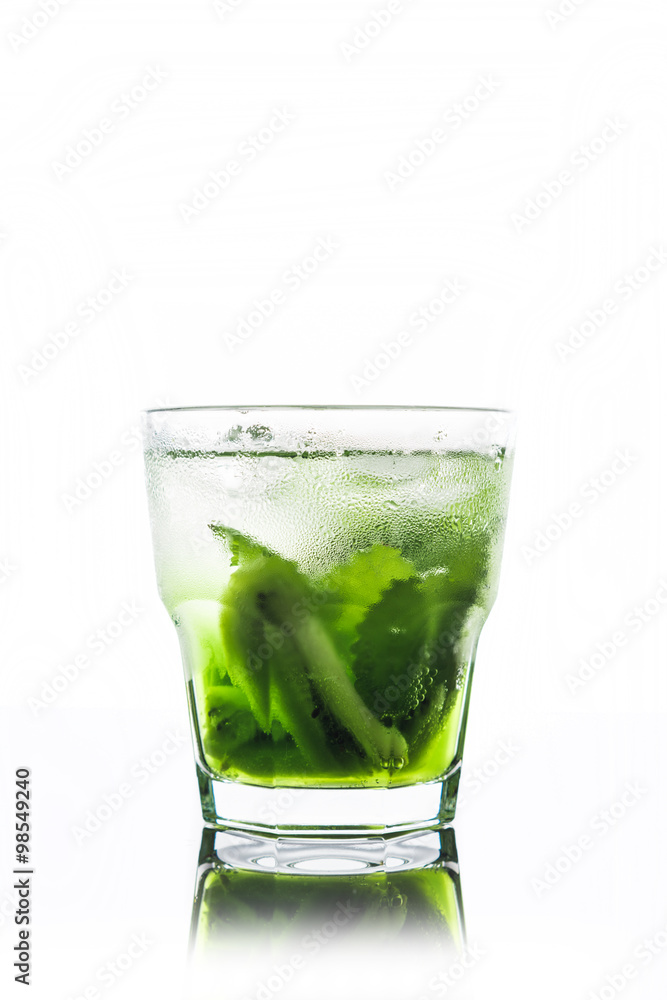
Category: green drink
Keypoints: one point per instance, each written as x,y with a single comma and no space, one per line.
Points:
328,593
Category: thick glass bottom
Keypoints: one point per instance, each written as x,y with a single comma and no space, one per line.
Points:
329,856
359,813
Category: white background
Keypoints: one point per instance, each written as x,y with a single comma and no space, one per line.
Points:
68,567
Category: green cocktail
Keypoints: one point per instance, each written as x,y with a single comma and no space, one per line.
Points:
328,596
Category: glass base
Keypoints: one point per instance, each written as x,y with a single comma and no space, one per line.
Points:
359,813
329,856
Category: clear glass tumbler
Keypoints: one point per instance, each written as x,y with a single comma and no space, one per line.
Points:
328,570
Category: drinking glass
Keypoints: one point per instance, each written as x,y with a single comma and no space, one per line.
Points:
328,570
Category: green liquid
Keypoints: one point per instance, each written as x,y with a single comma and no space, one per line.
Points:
330,616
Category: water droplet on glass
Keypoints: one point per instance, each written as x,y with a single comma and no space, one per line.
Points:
260,433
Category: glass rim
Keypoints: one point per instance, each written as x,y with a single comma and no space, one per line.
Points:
351,407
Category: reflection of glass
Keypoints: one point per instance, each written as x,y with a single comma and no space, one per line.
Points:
329,571
258,930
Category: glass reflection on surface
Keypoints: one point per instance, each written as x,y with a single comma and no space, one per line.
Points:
266,925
